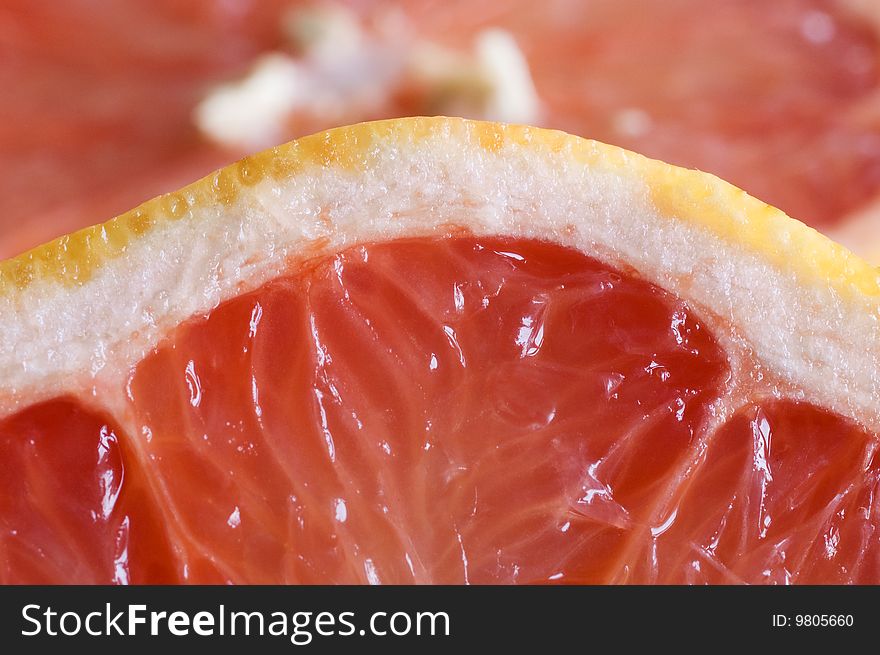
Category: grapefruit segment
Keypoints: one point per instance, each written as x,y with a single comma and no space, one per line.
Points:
73,507
426,411
779,498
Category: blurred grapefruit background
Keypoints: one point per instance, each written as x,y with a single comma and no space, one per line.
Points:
108,104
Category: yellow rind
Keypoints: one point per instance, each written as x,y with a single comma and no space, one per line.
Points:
689,196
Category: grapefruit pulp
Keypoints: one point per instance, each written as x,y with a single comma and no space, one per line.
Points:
457,410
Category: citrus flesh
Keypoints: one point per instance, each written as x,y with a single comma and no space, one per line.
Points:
450,410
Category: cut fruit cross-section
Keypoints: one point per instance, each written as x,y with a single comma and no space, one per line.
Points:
436,350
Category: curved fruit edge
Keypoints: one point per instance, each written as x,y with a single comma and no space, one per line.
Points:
98,299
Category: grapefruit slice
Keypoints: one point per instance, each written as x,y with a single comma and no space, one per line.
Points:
438,350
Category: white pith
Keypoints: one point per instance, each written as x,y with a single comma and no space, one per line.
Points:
54,339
